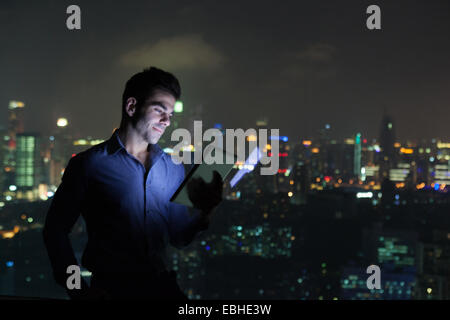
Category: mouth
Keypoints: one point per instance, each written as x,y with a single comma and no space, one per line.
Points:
157,130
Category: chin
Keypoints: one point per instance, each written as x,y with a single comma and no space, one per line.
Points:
153,140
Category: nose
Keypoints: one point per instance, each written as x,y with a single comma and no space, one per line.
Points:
165,119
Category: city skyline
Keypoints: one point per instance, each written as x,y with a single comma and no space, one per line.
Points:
72,131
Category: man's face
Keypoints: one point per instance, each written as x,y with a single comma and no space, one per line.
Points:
154,116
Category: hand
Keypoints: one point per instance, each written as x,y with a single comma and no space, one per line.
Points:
206,196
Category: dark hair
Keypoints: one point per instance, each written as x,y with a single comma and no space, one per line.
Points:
143,84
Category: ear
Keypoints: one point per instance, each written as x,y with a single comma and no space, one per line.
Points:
130,107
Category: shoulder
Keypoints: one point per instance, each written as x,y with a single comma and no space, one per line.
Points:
84,159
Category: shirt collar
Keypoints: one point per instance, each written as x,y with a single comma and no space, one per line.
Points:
115,144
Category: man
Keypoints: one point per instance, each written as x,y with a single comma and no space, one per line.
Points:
122,188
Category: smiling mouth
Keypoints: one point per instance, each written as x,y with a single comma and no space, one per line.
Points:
157,129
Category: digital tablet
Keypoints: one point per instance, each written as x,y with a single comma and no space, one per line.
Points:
205,171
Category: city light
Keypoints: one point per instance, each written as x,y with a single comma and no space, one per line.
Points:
188,148
406,150
349,141
364,195
8,235
62,122
178,107
12,188
86,273
420,186
443,145
282,138
80,142
16,104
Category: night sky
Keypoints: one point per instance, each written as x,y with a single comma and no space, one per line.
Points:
301,64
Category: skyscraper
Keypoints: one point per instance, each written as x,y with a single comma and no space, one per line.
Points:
357,157
387,136
29,165
387,140
9,142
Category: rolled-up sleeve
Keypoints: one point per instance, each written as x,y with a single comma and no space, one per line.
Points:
67,204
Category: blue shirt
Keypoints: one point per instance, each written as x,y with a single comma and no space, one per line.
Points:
129,218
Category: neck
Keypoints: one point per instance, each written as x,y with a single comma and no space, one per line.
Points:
132,142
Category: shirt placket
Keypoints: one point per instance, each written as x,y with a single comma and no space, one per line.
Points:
146,211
